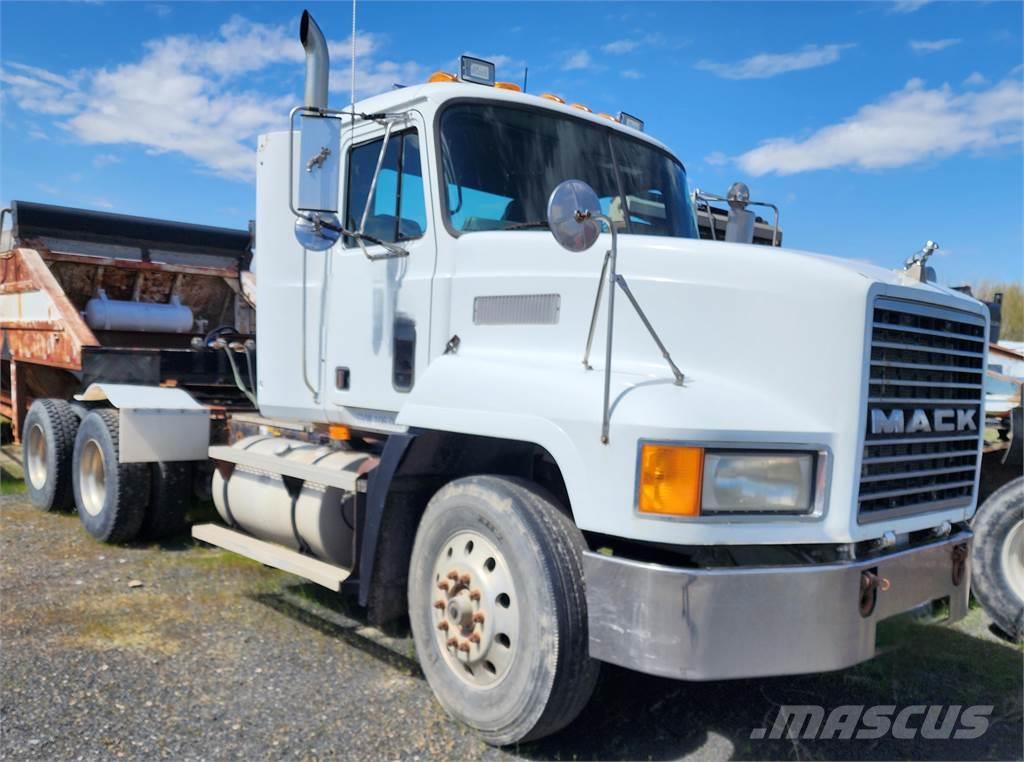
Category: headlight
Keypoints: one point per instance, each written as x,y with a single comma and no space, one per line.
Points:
692,481
756,483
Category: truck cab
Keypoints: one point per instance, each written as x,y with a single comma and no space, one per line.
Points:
779,478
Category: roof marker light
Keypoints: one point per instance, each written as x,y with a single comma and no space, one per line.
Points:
581,107
476,70
631,121
607,116
442,76
508,86
552,97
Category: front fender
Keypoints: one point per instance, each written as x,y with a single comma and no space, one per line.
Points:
556,404
485,397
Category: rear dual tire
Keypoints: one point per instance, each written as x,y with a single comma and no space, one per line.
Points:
47,443
119,502
111,496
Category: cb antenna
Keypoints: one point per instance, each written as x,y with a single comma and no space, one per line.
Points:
352,123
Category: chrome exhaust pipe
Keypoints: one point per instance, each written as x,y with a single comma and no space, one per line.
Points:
318,62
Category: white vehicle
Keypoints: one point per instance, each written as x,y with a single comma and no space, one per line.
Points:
438,441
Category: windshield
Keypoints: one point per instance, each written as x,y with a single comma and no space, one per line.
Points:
501,164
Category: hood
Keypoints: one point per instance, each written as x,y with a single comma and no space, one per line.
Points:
740,262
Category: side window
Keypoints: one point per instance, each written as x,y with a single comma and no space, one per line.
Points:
398,210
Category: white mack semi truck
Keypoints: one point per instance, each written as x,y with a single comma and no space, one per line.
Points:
541,418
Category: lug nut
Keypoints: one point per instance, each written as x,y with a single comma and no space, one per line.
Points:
442,586
474,638
464,579
453,575
452,642
439,604
443,626
464,647
474,595
478,617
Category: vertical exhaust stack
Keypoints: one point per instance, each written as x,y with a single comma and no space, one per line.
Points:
318,63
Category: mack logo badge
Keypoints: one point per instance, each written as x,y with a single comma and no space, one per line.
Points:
922,421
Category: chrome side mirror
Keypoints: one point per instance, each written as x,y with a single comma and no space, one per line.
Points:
573,211
315,181
318,168
318,231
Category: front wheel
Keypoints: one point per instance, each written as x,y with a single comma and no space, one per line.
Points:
997,574
498,609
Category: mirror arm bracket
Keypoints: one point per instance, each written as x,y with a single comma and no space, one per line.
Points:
610,278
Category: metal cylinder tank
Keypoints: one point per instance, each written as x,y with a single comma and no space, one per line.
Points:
259,503
104,314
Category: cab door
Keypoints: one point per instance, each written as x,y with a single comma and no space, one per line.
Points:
378,311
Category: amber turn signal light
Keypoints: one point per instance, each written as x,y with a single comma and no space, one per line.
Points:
670,480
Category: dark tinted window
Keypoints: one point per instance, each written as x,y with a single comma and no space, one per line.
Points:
502,163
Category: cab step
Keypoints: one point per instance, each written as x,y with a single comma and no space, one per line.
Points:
271,554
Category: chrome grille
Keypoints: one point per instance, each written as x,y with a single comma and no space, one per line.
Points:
925,390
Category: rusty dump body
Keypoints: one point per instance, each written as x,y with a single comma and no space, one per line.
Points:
55,259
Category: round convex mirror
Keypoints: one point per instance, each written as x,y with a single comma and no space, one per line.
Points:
566,200
313,234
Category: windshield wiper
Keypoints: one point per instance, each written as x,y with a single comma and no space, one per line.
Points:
523,225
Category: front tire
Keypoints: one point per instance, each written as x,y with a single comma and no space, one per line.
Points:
47,444
997,573
111,496
498,609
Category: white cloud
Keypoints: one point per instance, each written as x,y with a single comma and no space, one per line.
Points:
631,74
44,75
716,159
39,90
376,77
908,6
618,47
105,159
933,46
578,60
193,95
976,79
764,65
102,203
908,126
629,44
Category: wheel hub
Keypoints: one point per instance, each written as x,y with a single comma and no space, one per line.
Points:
92,478
36,460
475,611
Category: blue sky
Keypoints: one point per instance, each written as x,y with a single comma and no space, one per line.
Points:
874,125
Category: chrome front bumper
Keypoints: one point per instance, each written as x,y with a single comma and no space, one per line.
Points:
711,624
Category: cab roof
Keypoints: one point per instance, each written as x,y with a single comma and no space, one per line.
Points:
438,93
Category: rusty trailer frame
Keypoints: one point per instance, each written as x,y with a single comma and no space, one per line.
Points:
54,259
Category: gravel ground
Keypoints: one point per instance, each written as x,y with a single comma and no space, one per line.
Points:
215,657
